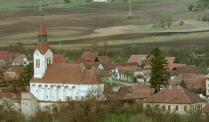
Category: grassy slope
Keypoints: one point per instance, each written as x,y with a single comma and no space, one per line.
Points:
12,4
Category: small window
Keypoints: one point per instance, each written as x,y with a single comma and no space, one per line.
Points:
148,106
156,106
169,107
185,108
163,107
177,108
37,63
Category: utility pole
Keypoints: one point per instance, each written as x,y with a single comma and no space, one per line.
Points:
129,7
40,8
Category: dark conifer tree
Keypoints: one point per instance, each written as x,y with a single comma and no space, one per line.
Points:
159,72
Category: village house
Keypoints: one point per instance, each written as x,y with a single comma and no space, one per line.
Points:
194,82
59,58
127,73
56,81
138,93
175,99
205,110
21,60
103,74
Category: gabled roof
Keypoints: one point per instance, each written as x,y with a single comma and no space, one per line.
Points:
42,47
172,65
68,73
19,59
132,92
174,94
89,56
130,69
59,58
90,65
42,30
171,60
102,72
103,59
136,58
110,66
17,70
4,52
89,76
205,109
13,54
186,69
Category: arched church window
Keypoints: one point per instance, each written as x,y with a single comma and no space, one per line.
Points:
37,63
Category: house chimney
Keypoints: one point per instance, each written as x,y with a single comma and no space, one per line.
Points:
170,86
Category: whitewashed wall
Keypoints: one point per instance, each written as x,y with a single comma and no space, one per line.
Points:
56,91
100,0
39,72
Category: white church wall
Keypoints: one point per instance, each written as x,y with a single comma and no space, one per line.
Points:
40,71
57,91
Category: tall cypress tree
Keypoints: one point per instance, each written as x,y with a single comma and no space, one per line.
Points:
159,72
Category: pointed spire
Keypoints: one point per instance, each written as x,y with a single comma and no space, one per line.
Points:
42,31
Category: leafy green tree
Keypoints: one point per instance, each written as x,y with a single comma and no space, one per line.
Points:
26,76
168,19
159,72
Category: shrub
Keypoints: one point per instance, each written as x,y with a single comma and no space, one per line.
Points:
181,22
168,19
130,17
190,7
194,9
205,17
66,1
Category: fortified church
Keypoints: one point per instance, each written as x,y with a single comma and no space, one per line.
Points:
55,82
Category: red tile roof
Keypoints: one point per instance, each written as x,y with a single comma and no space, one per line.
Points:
170,59
68,73
175,94
136,58
42,31
42,47
59,58
90,65
103,59
89,56
17,70
205,109
172,65
90,77
19,59
186,69
4,52
102,72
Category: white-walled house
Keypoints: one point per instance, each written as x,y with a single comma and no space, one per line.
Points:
54,82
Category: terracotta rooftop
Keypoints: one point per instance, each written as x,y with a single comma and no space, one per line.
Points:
174,94
19,59
205,109
90,65
17,70
89,56
13,54
42,31
136,58
103,59
4,52
101,72
42,47
132,92
171,60
172,65
109,66
60,58
68,73
186,69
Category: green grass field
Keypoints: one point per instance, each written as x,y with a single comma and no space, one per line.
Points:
13,4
